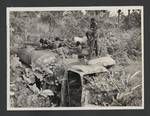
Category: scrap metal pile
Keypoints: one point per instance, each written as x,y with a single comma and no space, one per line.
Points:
46,73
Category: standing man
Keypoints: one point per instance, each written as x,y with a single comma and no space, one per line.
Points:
92,38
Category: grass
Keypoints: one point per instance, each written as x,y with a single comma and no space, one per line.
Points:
131,81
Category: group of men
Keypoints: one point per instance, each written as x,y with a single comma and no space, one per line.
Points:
91,35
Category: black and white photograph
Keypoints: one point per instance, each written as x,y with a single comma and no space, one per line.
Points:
75,58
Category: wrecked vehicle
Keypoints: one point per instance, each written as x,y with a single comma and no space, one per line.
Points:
84,82
72,82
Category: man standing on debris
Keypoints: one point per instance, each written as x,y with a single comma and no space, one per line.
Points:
92,38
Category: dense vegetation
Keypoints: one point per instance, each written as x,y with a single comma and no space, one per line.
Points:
120,37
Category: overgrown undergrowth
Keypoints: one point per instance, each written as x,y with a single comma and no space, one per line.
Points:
121,43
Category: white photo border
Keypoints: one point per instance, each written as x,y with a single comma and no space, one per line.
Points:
9,9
